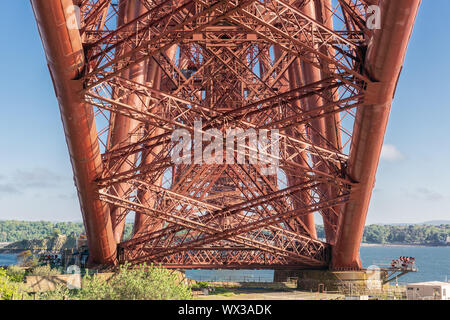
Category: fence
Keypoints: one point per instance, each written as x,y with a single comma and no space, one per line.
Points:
232,278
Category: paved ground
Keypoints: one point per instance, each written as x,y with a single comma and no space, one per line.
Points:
270,295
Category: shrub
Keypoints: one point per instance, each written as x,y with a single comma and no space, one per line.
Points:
15,273
60,293
201,284
9,290
44,271
141,283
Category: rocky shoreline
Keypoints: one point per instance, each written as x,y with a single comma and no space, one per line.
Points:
39,246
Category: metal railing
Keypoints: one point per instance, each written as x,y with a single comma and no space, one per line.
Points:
244,279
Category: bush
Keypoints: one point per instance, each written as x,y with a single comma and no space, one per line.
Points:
15,273
201,284
9,290
141,283
45,271
60,293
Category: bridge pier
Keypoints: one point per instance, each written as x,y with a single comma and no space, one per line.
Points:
348,282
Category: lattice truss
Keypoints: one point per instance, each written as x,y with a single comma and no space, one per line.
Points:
157,66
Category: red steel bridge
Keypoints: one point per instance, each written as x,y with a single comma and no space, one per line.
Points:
129,73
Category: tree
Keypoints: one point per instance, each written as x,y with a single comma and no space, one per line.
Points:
56,232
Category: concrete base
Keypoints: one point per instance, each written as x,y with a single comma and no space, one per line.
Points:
346,282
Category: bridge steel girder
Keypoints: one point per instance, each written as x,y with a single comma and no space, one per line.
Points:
272,64
384,62
66,62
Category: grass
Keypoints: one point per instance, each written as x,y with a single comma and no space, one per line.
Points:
220,291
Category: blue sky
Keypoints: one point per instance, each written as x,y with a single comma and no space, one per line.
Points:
413,178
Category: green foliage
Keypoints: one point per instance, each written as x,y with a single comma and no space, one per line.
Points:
412,234
376,234
13,231
44,271
223,292
141,283
15,274
56,232
201,284
128,232
228,294
60,293
9,290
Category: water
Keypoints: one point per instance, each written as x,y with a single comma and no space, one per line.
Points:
433,264
8,259
231,275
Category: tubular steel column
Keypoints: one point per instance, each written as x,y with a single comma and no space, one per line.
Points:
142,222
332,134
65,59
302,197
383,64
126,130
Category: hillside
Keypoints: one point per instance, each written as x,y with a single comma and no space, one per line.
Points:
53,243
13,231
33,232
436,222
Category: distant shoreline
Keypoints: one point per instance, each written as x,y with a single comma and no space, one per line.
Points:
4,250
13,251
4,244
403,245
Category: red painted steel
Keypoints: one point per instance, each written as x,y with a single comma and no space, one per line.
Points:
384,62
139,70
66,61
123,125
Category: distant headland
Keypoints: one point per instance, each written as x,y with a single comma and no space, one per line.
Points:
27,235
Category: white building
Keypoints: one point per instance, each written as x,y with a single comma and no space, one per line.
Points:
433,290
